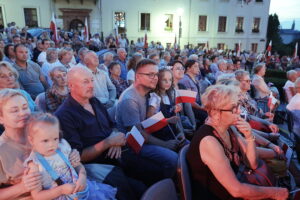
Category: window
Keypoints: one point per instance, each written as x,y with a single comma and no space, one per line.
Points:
168,22
1,18
254,47
221,46
259,1
236,45
239,25
145,22
31,19
256,23
201,45
202,23
222,24
119,20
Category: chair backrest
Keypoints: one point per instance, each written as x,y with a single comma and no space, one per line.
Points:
162,190
184,175
40,102
290,120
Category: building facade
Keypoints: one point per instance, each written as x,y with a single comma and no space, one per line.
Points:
221,23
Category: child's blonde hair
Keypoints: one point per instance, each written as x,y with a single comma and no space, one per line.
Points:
40,117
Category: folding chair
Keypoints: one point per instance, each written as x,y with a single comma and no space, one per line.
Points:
162,190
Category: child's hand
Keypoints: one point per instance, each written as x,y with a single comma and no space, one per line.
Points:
80,184
74,158
178,108
67,188
173,120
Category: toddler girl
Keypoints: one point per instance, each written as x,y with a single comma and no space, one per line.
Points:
49,156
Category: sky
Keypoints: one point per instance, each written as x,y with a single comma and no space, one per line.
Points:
287,11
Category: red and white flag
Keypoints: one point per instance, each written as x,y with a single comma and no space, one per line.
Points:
116,34
269,49
185,96
238,51
135,139
175,43
146,41
154,123
272,101
296,50
53,28
86,31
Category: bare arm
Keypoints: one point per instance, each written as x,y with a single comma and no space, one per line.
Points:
212,154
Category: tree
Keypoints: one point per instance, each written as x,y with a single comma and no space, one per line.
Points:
273,34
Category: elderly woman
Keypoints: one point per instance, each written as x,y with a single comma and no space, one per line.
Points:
65,56
261,88
56,94
9,79
191,82
51,62
216,151
115,72
136,57
15,181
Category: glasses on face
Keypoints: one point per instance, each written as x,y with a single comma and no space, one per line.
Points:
247,81
7,77
179,68
233,110
150,75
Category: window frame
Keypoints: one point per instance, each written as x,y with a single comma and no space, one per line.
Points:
237,29
140,21
224,26
206,26
37,15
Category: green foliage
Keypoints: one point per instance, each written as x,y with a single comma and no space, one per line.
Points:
273,34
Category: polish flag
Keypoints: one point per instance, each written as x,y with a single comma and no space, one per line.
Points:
154,123
272,101
53,28
146,41
175,42
86,30
238,51
135,139
269,49
116,34
185,96
296,50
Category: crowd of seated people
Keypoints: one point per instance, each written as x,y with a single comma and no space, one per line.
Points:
92,105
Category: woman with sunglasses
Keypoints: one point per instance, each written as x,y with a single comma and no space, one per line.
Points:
215,152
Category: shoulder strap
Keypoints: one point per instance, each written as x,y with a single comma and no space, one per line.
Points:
49,169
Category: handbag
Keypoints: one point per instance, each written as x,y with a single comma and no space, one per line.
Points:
261,176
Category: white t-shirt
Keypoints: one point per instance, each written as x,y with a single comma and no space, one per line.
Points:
42,57
289,84
155,101
130,75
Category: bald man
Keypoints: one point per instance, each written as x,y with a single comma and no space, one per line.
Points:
87,127
104,90
289,86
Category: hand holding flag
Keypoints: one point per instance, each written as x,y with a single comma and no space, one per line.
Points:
154,123
135,139
272,101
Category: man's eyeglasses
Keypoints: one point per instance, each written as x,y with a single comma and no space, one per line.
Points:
247,81
150,75
233,110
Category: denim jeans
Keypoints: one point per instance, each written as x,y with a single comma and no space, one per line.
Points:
153,163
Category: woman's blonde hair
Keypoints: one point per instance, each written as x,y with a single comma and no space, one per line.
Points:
7,94
9,67
218,96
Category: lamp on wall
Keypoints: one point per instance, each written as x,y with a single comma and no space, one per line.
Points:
179,12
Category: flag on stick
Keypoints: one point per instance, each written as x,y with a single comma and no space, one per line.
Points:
53,28
154,123
145,42
272,101
86,30
296,50
135,139
185,96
